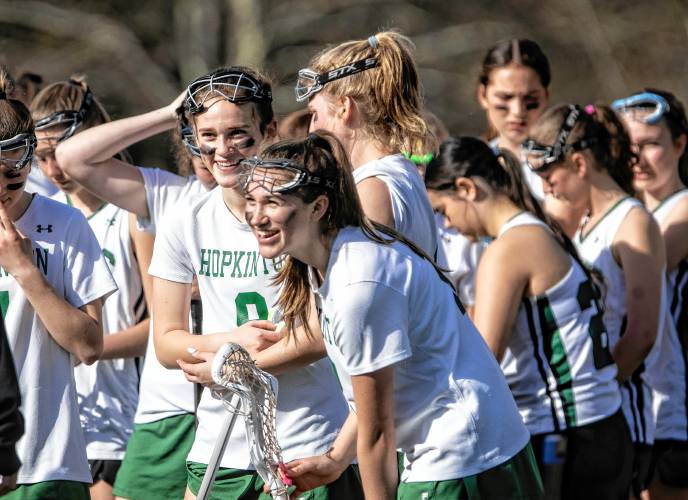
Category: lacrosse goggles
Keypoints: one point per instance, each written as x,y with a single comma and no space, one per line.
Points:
539,157
187,134
234,86
70,118
278,176
645,107
16,153
309,82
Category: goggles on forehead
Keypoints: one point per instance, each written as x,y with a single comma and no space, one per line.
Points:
278,176
234,86
17,152
539,157
645,107
70,118
309,82
189,140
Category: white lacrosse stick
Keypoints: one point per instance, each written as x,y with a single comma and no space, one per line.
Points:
253,396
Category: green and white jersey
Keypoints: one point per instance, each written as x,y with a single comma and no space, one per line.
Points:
68,255
235,282
413,215
163,393
670,396
558,363
384,305
108,390
595,248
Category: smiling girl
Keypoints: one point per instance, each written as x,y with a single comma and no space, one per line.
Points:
420,379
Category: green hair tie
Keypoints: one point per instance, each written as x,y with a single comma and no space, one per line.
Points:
420,160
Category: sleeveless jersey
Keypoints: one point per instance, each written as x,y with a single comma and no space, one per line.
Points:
460,257
163,393
108,389
558,364
384,305
67,254
670,397
413,215
235,282
595,248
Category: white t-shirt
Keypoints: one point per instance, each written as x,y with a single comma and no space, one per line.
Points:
68,255
413,215
235,282
38,183
108,390
383,305
163,393
460,257
595,249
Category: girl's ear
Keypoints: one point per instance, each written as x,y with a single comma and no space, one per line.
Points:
319,207
270,133
345,109
481,94
680,144
581,163
466,188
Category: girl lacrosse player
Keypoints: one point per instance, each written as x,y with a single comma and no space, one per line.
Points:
584,157
542,321
107,390
656,122
53,280
367,93
421,379
513,90
231,110
154,466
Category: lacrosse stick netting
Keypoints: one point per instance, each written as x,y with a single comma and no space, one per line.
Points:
235,371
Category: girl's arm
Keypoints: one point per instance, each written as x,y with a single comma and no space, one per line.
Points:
675,232
376,442
639,249
500,285
87,157
171,328
131,342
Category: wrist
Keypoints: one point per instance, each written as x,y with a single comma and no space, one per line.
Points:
339,460
27,275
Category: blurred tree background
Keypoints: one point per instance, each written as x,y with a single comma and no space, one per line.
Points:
139,54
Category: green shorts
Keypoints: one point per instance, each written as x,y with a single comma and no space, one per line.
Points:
154,465
516,479
248,485
50,490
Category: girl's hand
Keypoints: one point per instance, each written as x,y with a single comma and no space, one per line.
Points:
200,372
15,248
177,103
312,472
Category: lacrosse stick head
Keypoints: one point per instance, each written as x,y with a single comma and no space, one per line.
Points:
235,371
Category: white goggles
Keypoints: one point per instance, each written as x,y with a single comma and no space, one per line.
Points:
16,153
278,176
309,82
236,87
73,119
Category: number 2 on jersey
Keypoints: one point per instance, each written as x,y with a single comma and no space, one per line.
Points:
250,306
587,297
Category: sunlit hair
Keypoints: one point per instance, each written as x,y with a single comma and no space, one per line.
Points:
611,148
15,119
323,155
263,108
471,157
677,123
388,97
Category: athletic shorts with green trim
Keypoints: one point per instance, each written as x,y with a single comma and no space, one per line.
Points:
516,479
154,465
248,485
50,490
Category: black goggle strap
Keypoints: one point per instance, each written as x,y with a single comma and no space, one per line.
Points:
76,118
347,70
564,132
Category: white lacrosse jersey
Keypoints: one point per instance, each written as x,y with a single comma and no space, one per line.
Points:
164,393
595,248
459,256
383,305
668,376
108,390
235,282
413,215
68,255
37,182
558,363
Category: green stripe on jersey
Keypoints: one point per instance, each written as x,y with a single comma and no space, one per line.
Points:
557,359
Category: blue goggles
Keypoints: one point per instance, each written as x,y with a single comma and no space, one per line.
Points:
645,107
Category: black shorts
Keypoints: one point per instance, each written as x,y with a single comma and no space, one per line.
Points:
670,462
595,463
104,470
